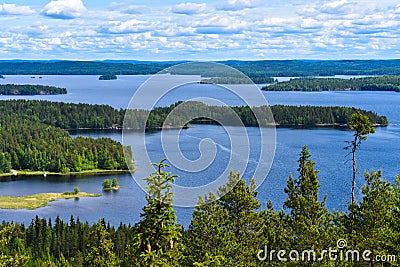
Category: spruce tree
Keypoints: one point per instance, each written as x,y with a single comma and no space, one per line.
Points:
158,237
309,220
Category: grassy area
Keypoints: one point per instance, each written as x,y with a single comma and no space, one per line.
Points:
82,173
38,200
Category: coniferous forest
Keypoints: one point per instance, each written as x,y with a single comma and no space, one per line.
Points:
235,230
87,116
379,83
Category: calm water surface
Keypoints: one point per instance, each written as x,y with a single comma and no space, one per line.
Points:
381,150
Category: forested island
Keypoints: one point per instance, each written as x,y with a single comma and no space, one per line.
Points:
86,116
30,89
379,83
283,116
239,80
108,77
2,77
261,68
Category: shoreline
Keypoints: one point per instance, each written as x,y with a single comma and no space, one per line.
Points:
32,202
16,173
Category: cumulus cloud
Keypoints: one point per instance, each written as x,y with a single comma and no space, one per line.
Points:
12,9
336,7
189,8
235,5
64,9
124,27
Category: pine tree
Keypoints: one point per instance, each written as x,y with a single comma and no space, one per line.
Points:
362,126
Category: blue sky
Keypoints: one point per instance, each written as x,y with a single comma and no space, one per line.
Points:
199,30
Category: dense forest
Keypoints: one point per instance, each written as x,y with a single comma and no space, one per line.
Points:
63,115
282,116
76,116
107,77
235,230
380,83
269,68
30,89
27,145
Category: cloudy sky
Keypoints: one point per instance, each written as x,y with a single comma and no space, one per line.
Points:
199,30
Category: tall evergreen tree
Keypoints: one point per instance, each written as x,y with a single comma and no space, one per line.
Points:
309,221
158,237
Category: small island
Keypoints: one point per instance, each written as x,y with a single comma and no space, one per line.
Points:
30,89
108,77
39,200
2,77
109,185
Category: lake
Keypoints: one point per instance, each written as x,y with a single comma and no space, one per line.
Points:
325,144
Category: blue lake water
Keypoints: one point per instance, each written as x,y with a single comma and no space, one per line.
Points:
326,146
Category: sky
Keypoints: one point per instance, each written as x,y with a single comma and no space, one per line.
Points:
165,30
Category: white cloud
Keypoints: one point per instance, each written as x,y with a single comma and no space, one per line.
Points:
64,9
235,5
12,9
189,8
125,27
335,7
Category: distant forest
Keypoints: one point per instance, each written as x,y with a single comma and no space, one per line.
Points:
30,89
380,83
269,68
78,116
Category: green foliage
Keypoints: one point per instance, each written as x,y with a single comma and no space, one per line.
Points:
231,224
310,223
372,219
37,147
5,163
381,83
63,115
30,89
76,190
106,184
115,182
158,238
100,248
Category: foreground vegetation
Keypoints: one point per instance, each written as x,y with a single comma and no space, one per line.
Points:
234,230
380,83
38,200
30,89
